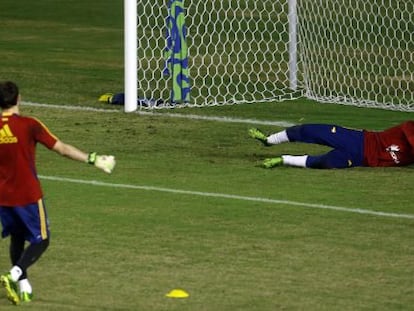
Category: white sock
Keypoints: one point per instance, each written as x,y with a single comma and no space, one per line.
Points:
25,286
290,160
277,138
15,273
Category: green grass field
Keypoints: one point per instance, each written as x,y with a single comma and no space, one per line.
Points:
188,205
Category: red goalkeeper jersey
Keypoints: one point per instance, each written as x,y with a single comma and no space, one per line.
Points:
19,184
391,147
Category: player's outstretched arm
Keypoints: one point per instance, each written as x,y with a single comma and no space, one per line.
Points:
103,162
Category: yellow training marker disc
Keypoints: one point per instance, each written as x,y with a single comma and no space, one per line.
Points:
177,293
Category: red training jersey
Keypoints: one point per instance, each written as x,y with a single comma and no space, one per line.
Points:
391,147
19,184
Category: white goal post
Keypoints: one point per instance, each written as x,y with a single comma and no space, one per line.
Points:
130,55
349,52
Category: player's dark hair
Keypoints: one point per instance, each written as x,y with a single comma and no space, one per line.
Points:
9,94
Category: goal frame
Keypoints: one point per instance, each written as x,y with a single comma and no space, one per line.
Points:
130,55
352,53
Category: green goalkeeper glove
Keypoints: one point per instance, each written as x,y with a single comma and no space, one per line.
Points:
103,162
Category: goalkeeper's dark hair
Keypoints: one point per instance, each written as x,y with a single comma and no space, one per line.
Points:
9,94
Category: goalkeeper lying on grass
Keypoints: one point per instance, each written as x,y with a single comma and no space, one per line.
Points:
350,148
22,209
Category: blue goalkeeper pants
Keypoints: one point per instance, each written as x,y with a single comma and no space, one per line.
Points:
347,144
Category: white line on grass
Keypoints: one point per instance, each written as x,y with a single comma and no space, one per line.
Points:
206,194
229,196
166,114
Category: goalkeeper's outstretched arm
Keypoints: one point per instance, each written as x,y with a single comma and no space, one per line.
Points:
103,162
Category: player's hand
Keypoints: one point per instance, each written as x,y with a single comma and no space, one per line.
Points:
103,162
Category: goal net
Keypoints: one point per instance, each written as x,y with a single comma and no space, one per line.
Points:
358,52
349,52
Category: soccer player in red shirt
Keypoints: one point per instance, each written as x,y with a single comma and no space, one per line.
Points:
22,209
350,148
